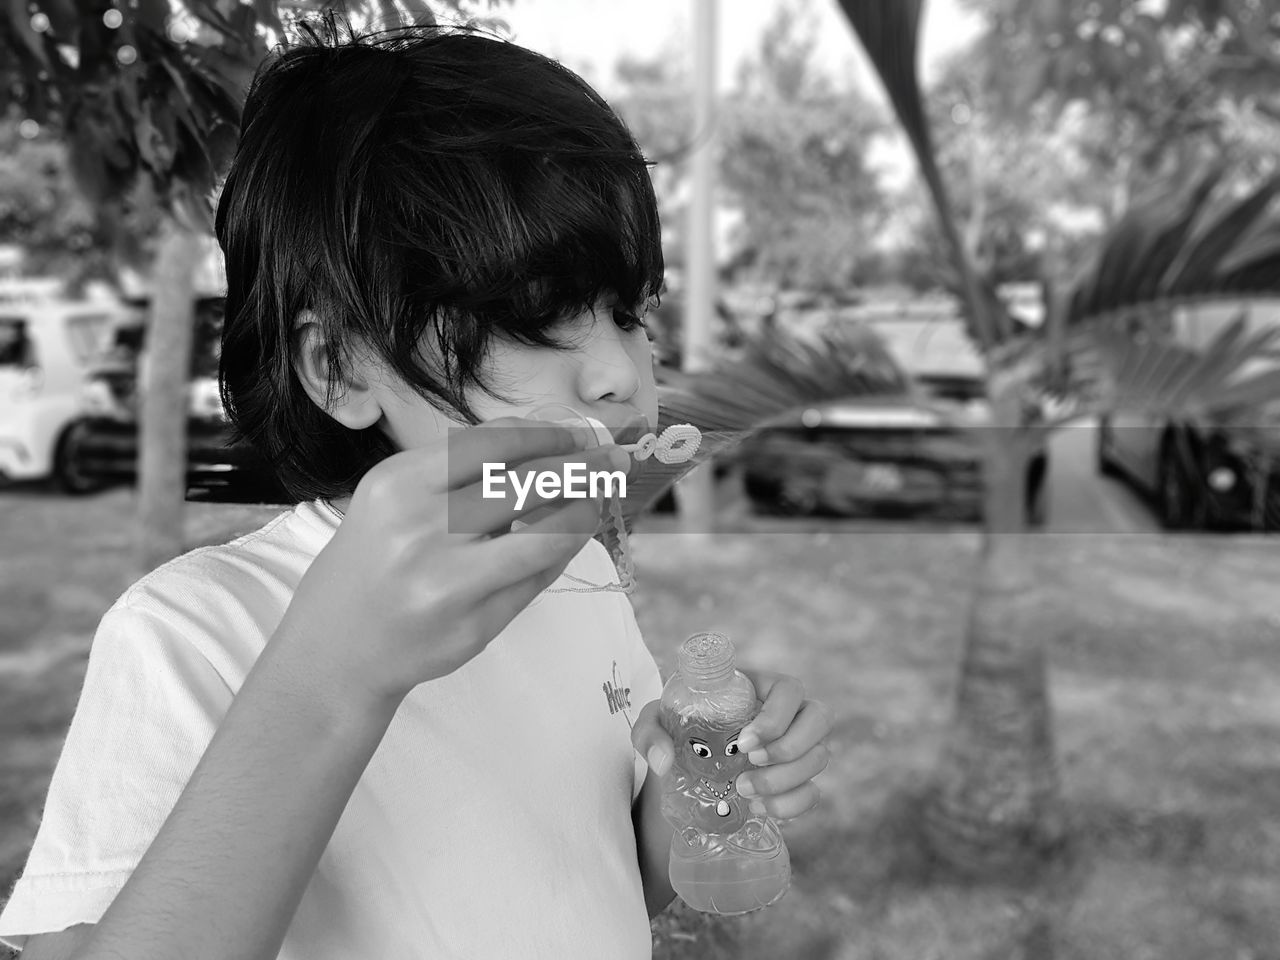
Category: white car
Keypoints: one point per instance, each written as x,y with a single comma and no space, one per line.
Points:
46,347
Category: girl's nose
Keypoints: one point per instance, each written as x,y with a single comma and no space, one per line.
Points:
606,370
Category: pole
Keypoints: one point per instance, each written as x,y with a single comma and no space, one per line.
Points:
695,493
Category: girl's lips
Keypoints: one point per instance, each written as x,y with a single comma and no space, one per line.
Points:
630,430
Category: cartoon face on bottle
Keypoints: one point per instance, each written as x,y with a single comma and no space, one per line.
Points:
710,753
707,765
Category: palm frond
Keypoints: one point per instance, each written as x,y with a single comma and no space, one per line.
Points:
776,374
1133,257
1181,250
1113,370
1197,267
890,33
1248,394
1259,251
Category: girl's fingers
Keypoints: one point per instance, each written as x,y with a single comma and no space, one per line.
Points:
545,546
651,740
810,726
782,696
789,805
781,778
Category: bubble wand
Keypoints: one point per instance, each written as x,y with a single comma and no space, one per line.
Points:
676,444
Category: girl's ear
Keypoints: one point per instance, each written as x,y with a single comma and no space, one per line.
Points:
354,403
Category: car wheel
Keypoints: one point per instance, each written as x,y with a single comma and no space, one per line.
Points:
1106,466
1037,502
68,463
1180,505
775,497
798,499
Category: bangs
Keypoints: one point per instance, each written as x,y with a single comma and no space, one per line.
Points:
525,238
588,235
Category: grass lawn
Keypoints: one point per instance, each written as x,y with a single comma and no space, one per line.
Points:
1165,677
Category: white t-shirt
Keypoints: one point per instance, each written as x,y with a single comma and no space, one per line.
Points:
493,821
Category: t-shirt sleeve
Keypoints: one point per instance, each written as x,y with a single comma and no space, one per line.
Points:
148,709
645,679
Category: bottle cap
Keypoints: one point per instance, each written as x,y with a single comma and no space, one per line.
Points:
706,656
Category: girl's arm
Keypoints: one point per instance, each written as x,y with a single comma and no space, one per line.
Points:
653,844
224,876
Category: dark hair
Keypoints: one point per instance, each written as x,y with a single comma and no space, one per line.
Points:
418,185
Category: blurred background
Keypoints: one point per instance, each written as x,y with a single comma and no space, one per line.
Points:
977,303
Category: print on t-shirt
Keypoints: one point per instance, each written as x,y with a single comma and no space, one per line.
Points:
618,696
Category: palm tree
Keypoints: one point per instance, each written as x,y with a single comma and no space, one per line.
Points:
995,802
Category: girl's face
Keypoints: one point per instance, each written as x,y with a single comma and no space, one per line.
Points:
607,373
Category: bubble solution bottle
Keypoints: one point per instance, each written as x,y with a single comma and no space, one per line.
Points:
724,858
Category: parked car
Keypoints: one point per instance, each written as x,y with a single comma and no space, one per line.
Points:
918,454
1198,476
1214,472
903,456
47,344
105,443
1211,472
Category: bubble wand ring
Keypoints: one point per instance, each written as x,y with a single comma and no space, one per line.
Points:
678,443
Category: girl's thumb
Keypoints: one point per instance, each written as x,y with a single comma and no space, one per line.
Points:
659,757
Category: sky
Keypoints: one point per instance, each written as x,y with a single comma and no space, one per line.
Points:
590,35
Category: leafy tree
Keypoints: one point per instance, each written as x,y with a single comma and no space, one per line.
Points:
1162,73
794,161
1016,183
60,231
148,93
653,99
40,208
1073,104
792,156
791,160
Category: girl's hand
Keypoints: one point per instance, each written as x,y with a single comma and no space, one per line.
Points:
424,572
786,742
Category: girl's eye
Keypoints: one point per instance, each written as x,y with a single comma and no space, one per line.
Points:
700,748
731,748
626,320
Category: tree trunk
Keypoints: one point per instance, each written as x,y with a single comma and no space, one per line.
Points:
995,809
977,220
162,464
